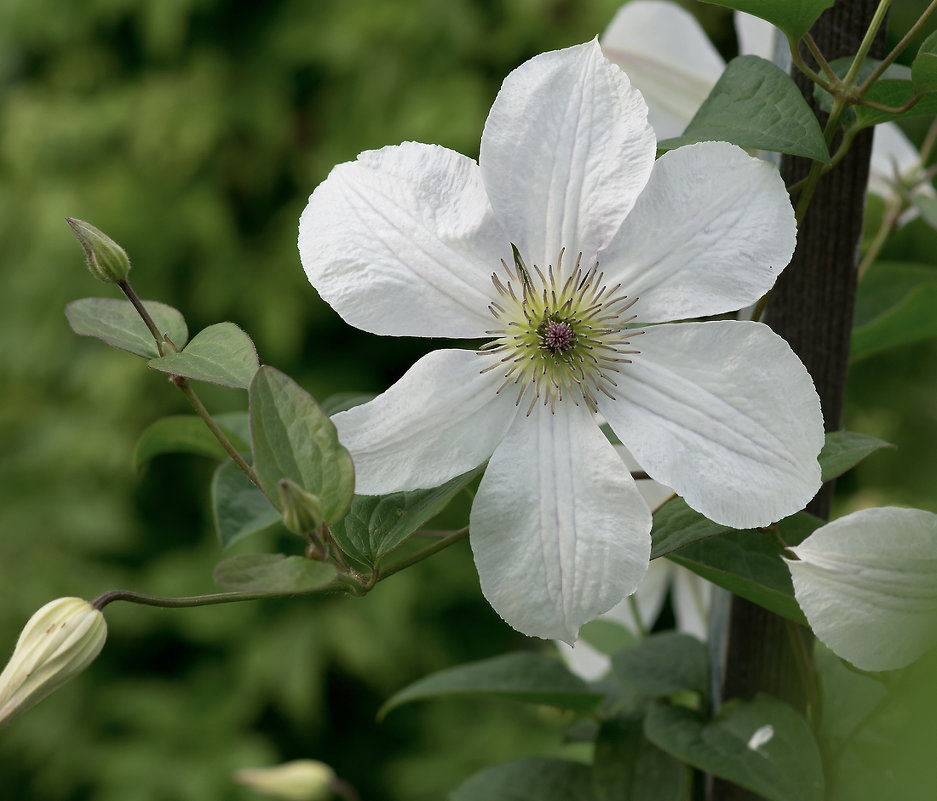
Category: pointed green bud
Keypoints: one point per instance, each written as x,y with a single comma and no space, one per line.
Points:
299,780
302,511
107,260
59,641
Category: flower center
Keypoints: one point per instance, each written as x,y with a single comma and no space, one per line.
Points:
560,335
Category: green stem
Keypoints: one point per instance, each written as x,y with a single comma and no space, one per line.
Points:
636,615
799,62
820,59
808,675
186,387
894,207
144,314
849,82
898,48
419,556
198,600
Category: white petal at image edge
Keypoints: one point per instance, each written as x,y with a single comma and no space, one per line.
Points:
559,531
867,583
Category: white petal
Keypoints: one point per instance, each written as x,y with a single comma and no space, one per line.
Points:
892,152
559,532
757,37
441,419
711,233
653,492
724,413
565,152
589,663
692,599
667,56
868,586
403,242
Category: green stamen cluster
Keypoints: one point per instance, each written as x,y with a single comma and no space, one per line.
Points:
561,336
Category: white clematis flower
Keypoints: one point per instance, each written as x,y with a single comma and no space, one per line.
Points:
867,583
417,240
669,58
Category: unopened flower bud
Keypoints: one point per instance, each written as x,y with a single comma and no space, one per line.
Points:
302,511
107,260
59,641
299,780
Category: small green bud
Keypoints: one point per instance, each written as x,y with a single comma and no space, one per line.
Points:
299,780
107,260
59,642
302,511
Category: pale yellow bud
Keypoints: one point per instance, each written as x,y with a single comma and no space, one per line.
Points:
59,641
299,780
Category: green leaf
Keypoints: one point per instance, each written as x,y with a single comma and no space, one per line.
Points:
343,401
676,525
239,508
755,104
117,323
628,767
747,563
794,17
762,745
529,779
664,664
893,89
292,438
607,636
376,524
187,433
524,677
843,450
886,285
910,320
273,573
220,354
924,66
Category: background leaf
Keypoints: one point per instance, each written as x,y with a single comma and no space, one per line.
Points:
273,573
843,450
375,525
115,321
755,104
524,677
794,17
293,439
762,745
187,433
747,563
530,779
664,663
239,508
924,66
220,354
628,767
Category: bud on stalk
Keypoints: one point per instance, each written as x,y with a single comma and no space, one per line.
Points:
59,641
107,260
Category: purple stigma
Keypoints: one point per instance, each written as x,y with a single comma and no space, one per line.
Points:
558,337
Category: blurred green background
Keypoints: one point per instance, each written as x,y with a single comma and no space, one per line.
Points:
192,131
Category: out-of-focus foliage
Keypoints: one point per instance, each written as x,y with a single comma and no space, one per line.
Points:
192,132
